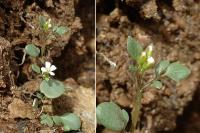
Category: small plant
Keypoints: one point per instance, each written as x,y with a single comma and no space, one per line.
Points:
47,26
48,31
49,87
143,61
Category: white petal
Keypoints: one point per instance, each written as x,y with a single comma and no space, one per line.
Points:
47,65
52,68
43,69
52,73
150,60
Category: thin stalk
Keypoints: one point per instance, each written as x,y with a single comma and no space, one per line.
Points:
136,111
137,102
138,98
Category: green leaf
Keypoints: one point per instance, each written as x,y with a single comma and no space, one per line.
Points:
42,21
52,88
32,50
134,48
71,122
125,114
161,67
57,120
177,71
157,84
60,30
111,116
36,68
46,120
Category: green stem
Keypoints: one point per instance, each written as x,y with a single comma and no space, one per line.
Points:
136,111
137,102
138,98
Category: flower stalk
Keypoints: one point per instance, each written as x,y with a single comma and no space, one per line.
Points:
145,62
137,101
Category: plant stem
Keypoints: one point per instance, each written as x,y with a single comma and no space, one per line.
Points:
137,99
136,111
137,102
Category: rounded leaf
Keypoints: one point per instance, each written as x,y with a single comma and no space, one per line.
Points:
71,122
177,71
125,114
32,50
111,116
52,88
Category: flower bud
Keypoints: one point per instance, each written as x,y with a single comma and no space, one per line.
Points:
150,60
143,54
142,58
149,50
150,47
49,23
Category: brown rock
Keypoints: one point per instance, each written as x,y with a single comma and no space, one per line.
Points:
124,101
149,10
148,97
19,109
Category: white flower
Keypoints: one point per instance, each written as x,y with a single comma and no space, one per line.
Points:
48,68
150,60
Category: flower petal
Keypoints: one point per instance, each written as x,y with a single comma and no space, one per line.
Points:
47,65
52,73
150,60
52,68
43,69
